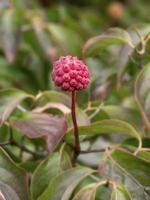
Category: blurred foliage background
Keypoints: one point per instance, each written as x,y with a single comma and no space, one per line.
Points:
34,33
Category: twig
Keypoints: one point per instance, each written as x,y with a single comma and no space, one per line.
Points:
93,151
76,133
4,144
23,148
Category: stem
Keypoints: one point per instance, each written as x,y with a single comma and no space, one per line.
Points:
23,148
4,144
93,151
76,133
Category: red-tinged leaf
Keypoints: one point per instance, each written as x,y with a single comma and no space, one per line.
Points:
7,193
2,196
35,125
9,100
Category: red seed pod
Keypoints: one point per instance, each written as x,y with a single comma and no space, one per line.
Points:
70,73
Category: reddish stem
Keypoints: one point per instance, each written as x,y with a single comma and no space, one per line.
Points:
76,133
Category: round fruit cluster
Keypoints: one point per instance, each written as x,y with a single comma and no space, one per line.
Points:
70,73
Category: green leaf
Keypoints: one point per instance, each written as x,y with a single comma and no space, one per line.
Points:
145,155
123,113
123,61
143,83
131,165
108,127
52,105
92,191
133,142
120,192
143,30
9,100
42,35
122,64
52,98
142,89
13,180
62,186
48,169
113,36
62,37
10,25
82,118
88,192
35,125
8,74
